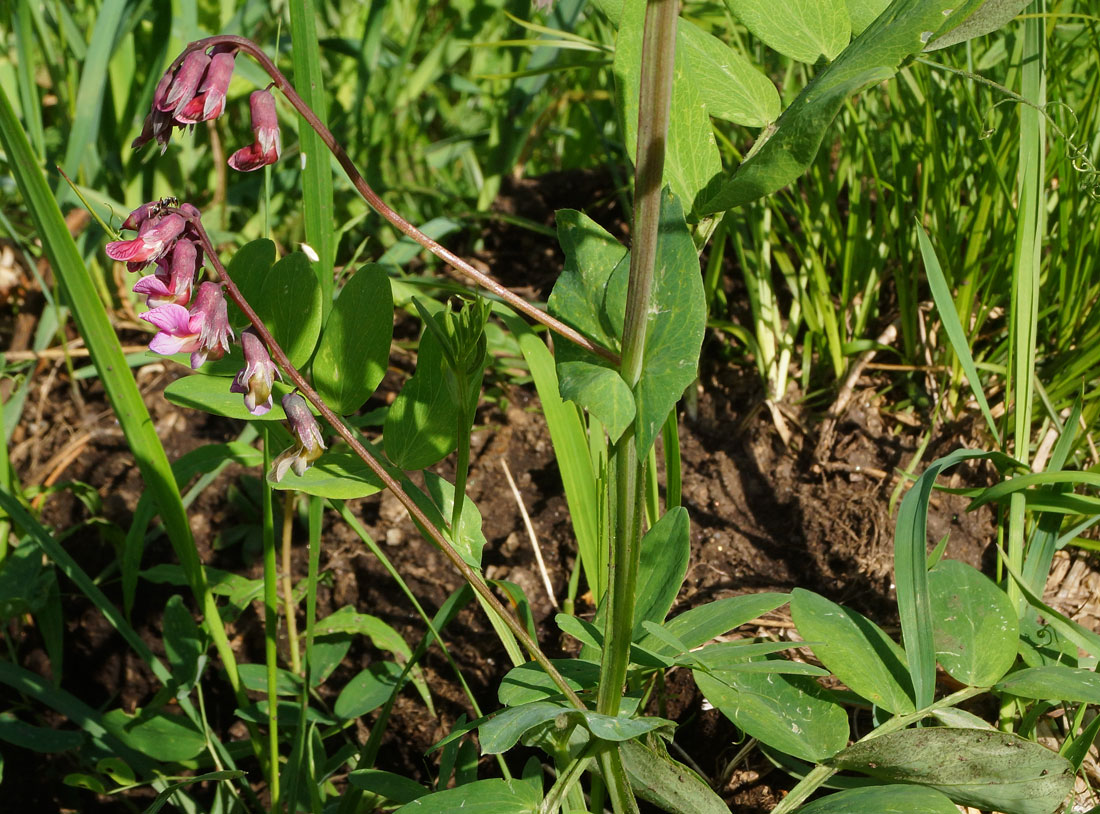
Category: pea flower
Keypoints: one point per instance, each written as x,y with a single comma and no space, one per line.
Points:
172,282
265,128
184,84
156,236
209,102
307,434
203,331
255,378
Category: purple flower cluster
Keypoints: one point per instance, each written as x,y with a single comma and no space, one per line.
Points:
195,92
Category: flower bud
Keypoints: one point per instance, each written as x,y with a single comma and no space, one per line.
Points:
155,237
214,330
209,102
265,128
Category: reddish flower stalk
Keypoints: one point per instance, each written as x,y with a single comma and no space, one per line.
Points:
242,44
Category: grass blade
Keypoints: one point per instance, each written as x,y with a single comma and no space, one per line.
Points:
951,324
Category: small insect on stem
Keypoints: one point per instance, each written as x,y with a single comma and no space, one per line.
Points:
167,202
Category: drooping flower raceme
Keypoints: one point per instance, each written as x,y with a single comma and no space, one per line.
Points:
209,102
265,148
307,434
156,235
255,378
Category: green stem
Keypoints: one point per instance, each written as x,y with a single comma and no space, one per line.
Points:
462,460
812,781
271,626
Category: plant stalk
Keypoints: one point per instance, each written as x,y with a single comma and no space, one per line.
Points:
271,628
380,206
469,574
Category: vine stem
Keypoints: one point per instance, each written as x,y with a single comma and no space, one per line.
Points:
381,207
469,574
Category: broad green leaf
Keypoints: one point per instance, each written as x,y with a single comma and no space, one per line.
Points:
422,425
986,769
529,682
254,677
349,620
355,346
328,654
800,29
895,799
620,728
746,656
1054,682
699,625
84,781
183,644
731,87
159,735
37,738
862,13
117,769
667,783
692,160
793,714
337,475
876,55
211,394
287,298
598,388
675,334
665,551
503,731
480,797
974,623
367,691
855,649
389,786
989,16
248,268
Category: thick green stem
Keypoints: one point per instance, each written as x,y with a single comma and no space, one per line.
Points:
462,459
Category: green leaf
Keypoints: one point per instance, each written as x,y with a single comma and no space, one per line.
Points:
159,735
1054,682
658,779
337,475
800,29
529,682
503,731
883,800
989,16
287,298
183,644
793,714
480,797
784,154
349,620
438,504
692,159
367,691
211,394
666,548
986,769
863,12
675,334
254,677
422,425
598,388
389,786
855,649
37,738
699,625
976,628
731,87
355,346
84,781
248,268
117,769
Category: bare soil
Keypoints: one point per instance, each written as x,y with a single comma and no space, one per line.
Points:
765,517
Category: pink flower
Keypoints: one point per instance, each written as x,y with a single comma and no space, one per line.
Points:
255,379
182,88
306,432
203,331
265,128
209,102
155,237
172,282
